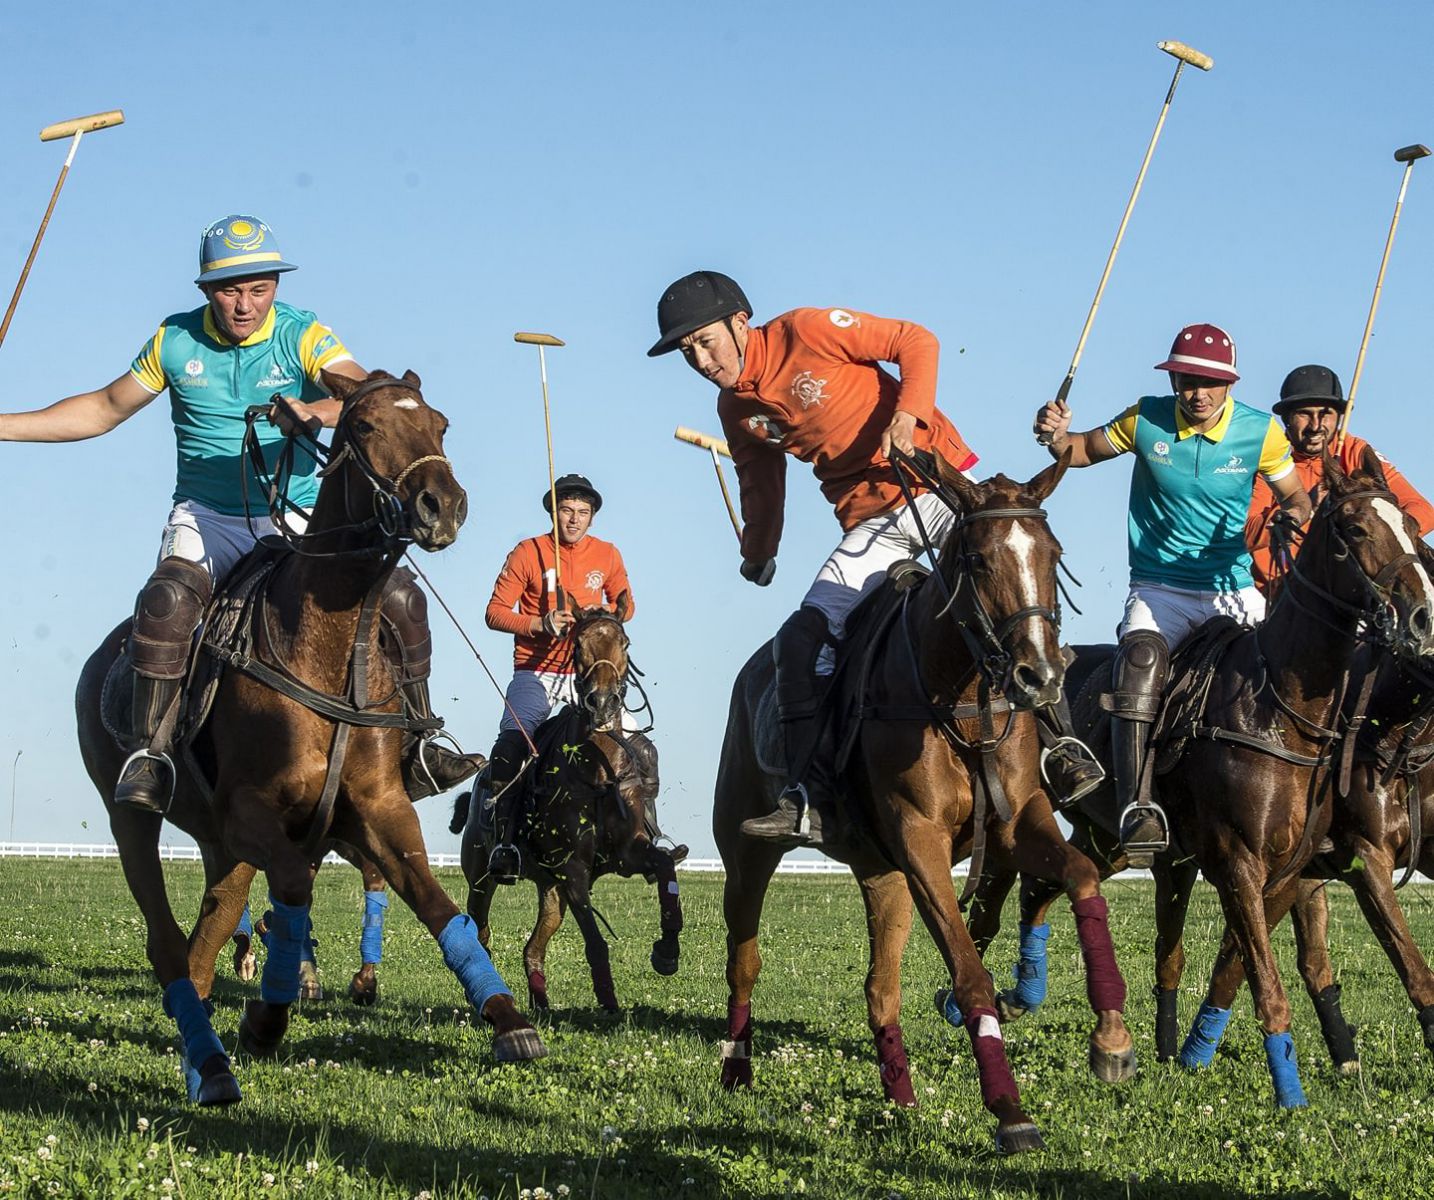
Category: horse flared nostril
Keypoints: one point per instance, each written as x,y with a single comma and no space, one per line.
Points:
429,507
1031,678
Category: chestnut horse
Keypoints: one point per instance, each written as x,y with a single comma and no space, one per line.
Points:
947,736
268,754
1255,787
582,816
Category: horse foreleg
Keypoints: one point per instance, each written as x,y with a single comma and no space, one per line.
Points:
225,895
1374,890
388,833
888,927
551,907
749,866
207,1075
1174,883
928,853
1239,877
667,950
363,987
595,948
1310,917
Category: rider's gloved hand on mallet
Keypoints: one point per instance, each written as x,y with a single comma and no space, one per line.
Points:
759,572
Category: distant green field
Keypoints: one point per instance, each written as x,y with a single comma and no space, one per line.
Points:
402,1100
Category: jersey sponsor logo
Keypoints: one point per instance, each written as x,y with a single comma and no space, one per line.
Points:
843,319
277,377
194,367
1236,466
1162,449
594,580
766,430
809,390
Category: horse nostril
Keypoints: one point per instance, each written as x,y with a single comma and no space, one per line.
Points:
1029,678
429,507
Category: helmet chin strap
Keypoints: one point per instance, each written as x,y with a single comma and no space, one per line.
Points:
741,354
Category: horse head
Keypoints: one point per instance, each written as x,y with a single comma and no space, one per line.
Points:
600,662
999,563
1364,553
388,449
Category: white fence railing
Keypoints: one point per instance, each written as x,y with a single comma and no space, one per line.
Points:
790,866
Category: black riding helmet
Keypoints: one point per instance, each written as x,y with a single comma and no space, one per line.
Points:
569,487
1310,385
694,301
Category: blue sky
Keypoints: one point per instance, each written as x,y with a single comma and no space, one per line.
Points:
446,174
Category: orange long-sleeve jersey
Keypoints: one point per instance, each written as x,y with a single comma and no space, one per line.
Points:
811,387
1310,469
593,574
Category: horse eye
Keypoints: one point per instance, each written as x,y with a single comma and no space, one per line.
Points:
362,427
1355,533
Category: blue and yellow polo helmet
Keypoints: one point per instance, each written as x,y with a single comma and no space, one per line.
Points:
236,246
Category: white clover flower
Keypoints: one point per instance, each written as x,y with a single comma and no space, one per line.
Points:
44,1154
142,1124
268,1180
51,1140
92,1087
311,1167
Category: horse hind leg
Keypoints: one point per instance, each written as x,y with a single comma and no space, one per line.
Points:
1174,883
667,950
208,1077
221,909
888,928
551,907
363,987
750,866
1310,917
599,961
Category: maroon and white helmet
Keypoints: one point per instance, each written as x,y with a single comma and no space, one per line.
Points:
1203,350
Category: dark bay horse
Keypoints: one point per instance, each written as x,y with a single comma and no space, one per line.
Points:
583,816
1254,789
276,803
948,738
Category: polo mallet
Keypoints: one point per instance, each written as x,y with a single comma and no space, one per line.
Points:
1408,155
74,130
714,446
1182,54
542,340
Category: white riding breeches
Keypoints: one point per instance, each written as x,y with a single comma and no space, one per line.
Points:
1175,613
532,696
213,540
860,562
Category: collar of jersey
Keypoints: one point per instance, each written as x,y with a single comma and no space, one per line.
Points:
262,334
754,359
1216,433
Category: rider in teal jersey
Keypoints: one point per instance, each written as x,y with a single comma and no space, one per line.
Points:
1197,455
242,348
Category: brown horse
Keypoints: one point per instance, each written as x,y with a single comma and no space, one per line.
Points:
276,804
583,816
1250,796
947,740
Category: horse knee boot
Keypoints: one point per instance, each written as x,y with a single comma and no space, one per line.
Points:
796,819
1142,664
428,768
643,756
1069,768
169,610
509,751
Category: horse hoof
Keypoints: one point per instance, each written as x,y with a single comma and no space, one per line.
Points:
1112,1066
518,1045
1009,1008
736,1073
1139,860
1018,1139
309,986
362,994
218,1090
1347,1069
262,1044
662,962
538,1001
246,966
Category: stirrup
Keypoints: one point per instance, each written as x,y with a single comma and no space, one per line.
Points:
1075,751
1141,853
141,755
508,848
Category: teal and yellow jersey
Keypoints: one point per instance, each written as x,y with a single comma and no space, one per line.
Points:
1189,491
211,382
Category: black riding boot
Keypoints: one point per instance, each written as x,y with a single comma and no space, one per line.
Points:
428,766
1142,664
170,607
644,759
796,821
1068,766
505,862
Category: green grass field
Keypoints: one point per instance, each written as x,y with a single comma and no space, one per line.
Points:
402,1100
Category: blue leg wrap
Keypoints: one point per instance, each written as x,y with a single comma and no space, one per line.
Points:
1030,969
467,959
197,1039
287,940
309,943
1284,1072
1205,1034
375,904
246,926
951,1010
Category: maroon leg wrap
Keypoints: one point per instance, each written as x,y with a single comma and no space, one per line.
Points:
736,1055
538,989
895,1072
997,1082
602,985
1103,982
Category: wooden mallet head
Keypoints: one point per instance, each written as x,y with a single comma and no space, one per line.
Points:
64,129
538,339
1411,153
1187,54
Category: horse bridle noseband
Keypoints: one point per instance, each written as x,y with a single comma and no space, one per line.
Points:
389,517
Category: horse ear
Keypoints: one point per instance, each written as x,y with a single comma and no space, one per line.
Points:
620,609
967,492
573,606
1369,463
340,387
411,378
1044,483
1334,474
